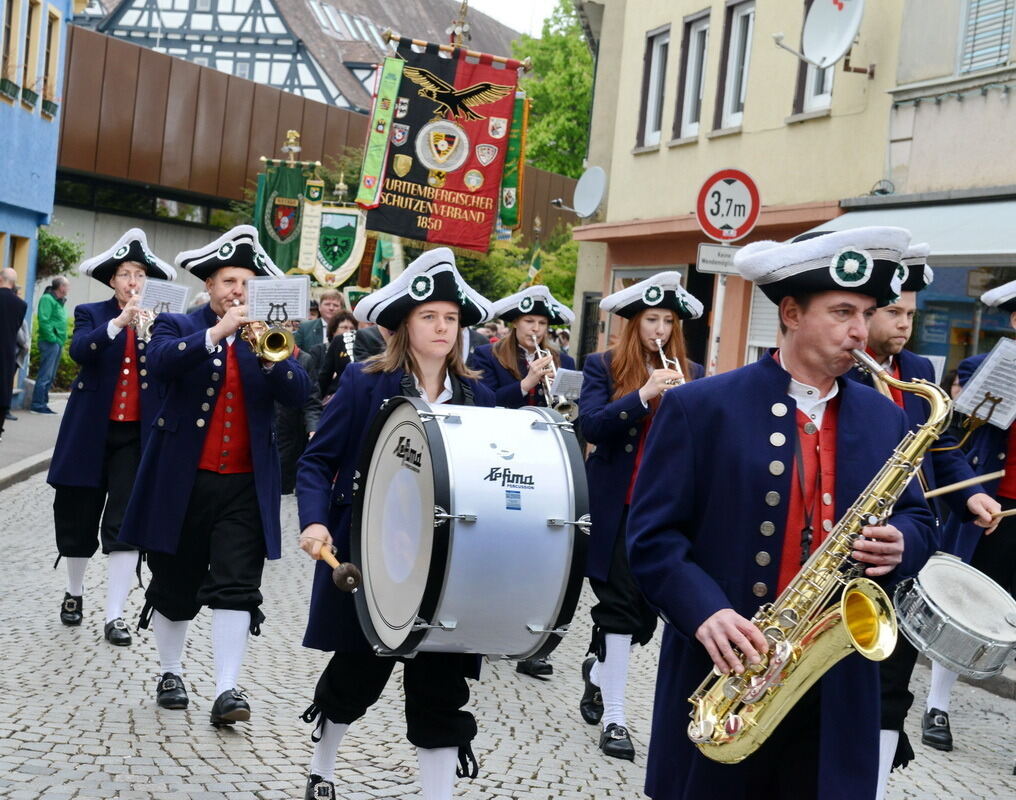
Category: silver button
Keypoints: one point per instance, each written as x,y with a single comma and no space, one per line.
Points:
767,528
762,558
142,359
759,589
205,406
123,405
289,374
81,384
123,394
162,422
779,409
229,395
119,416
217,362
777,439
229,409
200,423
210,391
827,499
126,359
143,373
772,498
94,346
182,346
776,467
633,431
229,424
123,383
628,448
144,385
974,460
215,376
141,346
827,524
810,429
1001,456
225,438
622,415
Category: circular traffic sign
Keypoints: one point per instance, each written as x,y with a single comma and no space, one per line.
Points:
728,205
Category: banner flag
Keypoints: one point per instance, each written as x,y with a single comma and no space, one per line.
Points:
449,136
535,265
311,227
515,165
376,151
342,236
277,211
380,274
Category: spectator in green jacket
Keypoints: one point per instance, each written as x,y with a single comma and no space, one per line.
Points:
52,323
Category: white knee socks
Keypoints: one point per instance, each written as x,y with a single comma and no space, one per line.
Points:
229,645
120,578
437,771
887,741
326,749
170,637
76,575
613,677
942,681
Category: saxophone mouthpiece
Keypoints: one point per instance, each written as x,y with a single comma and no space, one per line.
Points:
867,362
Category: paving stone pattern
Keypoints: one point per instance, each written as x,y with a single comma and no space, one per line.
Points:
78,717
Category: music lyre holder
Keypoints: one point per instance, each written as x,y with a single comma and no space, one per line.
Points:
973,421
273,317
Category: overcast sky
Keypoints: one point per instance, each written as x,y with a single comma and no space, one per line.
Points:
525,16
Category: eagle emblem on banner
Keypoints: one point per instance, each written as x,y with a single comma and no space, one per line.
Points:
451,102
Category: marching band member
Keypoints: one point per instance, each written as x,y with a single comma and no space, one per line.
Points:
206,499
620,392
743,474
989,448
889,329
109,415
510,367
425,308
513,371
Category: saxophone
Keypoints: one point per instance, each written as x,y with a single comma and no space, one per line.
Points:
826,612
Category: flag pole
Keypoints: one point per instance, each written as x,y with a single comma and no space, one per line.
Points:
511,63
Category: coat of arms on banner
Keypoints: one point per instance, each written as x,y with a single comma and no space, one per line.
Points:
508,198
340,244
436,178
401,107
485,153
314,192
400,134
473,179
401,164
442,145
284,213
497,127
452,102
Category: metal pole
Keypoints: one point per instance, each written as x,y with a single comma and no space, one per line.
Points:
714,344
975,338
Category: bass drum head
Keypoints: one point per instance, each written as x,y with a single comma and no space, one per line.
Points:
396,534
972,599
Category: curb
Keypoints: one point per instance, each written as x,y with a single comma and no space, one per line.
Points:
1003,684
25,468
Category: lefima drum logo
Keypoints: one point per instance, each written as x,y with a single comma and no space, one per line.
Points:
509,478
409,455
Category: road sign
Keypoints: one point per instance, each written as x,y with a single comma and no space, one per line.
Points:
728,205
716,258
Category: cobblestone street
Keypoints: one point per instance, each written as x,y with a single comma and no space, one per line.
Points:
78,718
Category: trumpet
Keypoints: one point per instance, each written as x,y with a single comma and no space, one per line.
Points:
562,405
672,364
269,343
143,321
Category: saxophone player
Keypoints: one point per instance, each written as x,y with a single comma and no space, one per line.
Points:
109,414
743,476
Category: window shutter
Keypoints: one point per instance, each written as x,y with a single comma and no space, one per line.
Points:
987,34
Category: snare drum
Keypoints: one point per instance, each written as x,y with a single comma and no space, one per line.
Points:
958,616
470,529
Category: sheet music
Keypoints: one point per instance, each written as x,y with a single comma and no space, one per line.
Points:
278,300
163,296
567,382
997,375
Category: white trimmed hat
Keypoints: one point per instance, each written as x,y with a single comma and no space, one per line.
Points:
1003,297
432,276
663,290
132,246
238,247
915,274
862,260
532,300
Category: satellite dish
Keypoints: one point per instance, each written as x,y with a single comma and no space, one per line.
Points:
588,192
829,30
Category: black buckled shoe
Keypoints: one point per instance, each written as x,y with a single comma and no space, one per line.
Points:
319,789
170,693
70,610
536,667
117,632
935,730
591,705
229,707
616,743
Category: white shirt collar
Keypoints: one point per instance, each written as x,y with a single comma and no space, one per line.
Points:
809,400
446,393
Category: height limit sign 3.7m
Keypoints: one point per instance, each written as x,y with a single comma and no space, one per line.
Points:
728,205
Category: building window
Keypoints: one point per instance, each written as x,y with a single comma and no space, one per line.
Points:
28,73
242,69
9,55
203,5
201,60
818,88
736,61
654,73
693,76
987,34
315,6
49,65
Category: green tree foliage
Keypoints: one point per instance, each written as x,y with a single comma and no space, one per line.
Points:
560,89
56,255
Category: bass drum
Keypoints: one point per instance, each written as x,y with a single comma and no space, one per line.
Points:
958,616
470,530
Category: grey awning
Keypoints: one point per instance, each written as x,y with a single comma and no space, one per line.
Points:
960,234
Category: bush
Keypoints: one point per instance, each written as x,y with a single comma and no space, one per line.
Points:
66,370
56,255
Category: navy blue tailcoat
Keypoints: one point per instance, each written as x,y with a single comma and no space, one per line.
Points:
85,422
614,426
193,378
696,532
985,452
324,492
942,468
505,386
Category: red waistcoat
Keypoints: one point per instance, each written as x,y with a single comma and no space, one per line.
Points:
126,405
227,443
1007,488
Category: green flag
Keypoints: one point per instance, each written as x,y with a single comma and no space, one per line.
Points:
535,265
277,212
380,274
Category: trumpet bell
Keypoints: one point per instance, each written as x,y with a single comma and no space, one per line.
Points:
275,344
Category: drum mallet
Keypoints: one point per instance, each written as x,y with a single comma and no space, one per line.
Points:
1011,512
952,487
344,575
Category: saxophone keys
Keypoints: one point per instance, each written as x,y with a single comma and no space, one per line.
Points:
733,724
788,618
732,688
700,732
774,635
